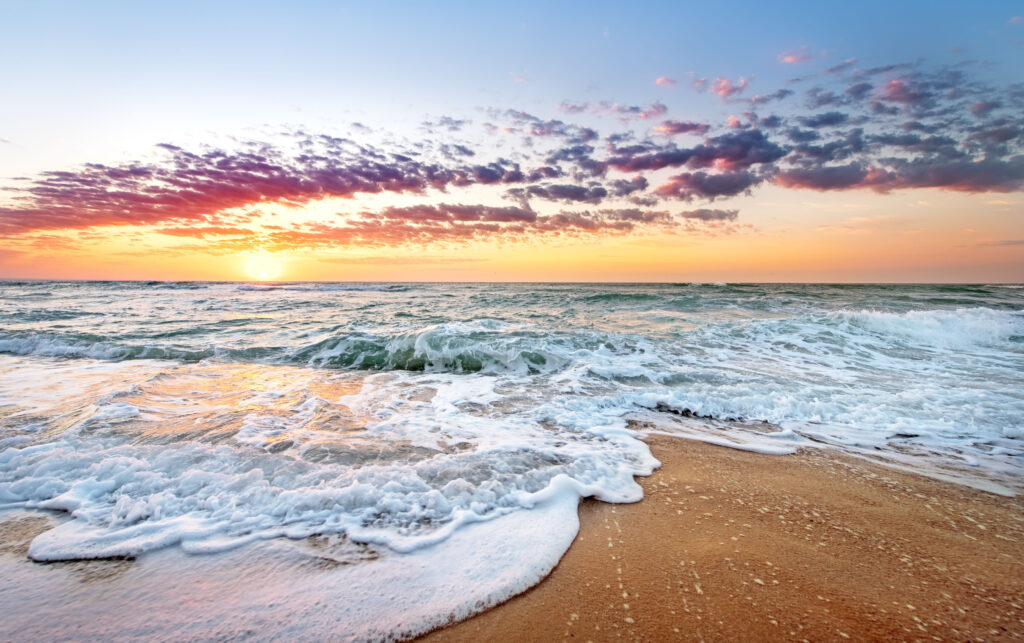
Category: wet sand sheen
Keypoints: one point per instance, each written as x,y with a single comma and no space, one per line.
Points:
741,546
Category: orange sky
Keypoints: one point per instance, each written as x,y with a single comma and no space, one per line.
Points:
786,236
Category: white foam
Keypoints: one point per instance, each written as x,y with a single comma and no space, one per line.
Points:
384,596
396,481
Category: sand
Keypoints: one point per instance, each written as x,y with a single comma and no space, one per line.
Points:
732,545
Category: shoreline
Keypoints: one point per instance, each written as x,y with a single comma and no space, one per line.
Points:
734,545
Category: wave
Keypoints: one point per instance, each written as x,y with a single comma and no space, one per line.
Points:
326,287
624,297
475,347
177,285
960,328
492,346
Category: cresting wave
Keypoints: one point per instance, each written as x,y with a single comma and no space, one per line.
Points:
494,346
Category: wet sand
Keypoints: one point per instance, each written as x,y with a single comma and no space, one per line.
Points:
731,545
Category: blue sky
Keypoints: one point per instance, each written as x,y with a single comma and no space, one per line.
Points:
81,77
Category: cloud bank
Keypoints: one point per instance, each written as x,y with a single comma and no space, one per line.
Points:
600,168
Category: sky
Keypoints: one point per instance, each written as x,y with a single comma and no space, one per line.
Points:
540,141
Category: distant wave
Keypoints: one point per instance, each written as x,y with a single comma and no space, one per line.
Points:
324,287
177,285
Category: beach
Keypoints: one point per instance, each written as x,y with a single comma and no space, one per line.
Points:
733,545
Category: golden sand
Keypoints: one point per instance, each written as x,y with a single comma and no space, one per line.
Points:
731,545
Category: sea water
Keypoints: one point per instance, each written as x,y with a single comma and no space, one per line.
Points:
429,443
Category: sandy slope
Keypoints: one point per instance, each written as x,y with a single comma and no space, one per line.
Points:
730,545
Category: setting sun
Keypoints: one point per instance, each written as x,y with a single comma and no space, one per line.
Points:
263,267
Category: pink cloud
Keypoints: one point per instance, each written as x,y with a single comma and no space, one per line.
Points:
726,88
665,81
795,57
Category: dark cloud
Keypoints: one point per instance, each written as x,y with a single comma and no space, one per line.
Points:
983,108
567,193
779,94
986,175
729,151
859,91
580,157
841,67
842,177
458,212
682,127
798,135
828,119
817,97
708,214
772,121
690,185
624,187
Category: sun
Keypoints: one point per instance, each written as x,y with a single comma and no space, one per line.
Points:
263,267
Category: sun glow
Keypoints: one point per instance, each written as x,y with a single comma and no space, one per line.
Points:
263,267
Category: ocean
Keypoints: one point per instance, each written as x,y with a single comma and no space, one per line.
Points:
425,446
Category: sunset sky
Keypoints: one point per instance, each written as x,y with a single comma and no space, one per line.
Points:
533,141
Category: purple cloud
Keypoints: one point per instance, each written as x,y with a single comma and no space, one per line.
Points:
671,128
690,185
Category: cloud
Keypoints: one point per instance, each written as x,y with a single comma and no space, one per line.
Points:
779,94
567,193
858,91
841,67
186,185
892,127
690,185
671,128
795,57
457,212
958,176
828,119
707,214
625,187
447,123
531,125
983,108
727,151
624,112
204,230
664,81
841,177
725,88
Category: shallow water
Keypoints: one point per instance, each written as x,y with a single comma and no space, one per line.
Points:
210,416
